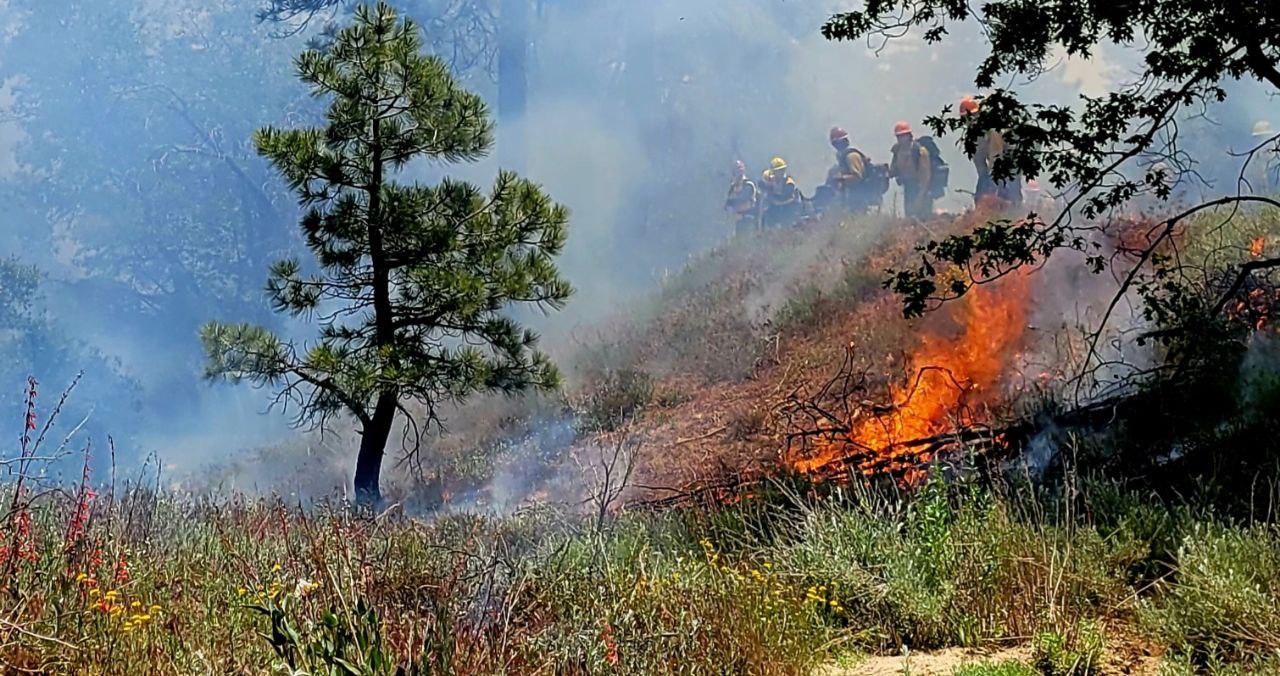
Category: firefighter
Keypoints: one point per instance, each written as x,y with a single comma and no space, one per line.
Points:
846,178
912,168
743,201
990,147
782,203
1263,174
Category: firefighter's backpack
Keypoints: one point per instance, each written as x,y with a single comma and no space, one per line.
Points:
940,173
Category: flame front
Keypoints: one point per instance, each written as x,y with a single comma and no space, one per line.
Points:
947,380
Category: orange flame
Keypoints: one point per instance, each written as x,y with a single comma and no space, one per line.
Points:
1256,246
948,379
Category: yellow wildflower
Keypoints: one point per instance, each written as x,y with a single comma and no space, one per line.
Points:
305,587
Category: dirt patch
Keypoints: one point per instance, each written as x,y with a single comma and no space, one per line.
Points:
940,663
1125,654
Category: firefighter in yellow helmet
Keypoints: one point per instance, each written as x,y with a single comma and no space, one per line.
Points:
782,202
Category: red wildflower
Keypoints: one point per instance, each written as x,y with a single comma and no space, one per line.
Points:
122,570
610,645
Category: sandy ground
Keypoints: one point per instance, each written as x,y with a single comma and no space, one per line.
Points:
941,663
1122,659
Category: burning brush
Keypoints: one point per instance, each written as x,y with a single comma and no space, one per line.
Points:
953,384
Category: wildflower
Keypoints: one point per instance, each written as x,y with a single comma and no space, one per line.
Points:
81,578
154,610
80,515
304,587
241,591
610,645
122,570
276,568
94,591
136,604
24,544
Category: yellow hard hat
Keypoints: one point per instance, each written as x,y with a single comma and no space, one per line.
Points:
778,164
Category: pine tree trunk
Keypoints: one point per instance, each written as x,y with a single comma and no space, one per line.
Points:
373,444
373,441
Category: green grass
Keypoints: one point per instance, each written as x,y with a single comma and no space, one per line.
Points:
1004,668
766,586
1223,596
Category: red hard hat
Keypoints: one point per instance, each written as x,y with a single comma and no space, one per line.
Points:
838,133
968,105
901,128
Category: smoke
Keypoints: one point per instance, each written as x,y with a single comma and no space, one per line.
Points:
1041,450
534,466
136,147
1260,376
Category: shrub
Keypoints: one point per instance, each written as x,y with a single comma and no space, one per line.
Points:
942,570
1003,668
1224,598
639,603
615,398
1076,654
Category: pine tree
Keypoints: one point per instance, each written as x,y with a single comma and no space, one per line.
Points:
412,282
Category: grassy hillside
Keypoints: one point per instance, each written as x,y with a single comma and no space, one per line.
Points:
1088,577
